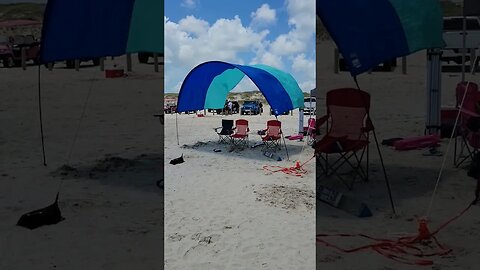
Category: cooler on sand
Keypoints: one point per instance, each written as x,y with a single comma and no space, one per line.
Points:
114,71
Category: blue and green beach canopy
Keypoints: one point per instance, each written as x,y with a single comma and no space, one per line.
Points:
208,84
74,29
368,33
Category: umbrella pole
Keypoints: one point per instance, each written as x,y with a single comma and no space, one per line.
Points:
387,182
284,143
464,46
176,124
41,118
300,120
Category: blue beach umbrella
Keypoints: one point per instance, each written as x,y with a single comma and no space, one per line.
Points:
77,29
368,33
207,86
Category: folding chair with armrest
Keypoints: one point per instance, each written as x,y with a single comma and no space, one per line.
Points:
469,119
348,126
225,131
240,137
273,135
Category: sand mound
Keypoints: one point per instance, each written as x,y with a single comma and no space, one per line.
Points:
195,145
286,197
110,164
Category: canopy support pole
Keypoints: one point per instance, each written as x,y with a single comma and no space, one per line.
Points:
387,182
434,86
300,121
41,118
284,143
176,124
464,46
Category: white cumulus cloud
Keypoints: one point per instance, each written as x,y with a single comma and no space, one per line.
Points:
189,3
301,64
263,16
192,41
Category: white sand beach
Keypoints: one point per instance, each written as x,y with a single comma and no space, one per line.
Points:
398,110
112,207
223,211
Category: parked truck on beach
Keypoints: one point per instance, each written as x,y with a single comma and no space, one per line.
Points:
11,50
453,37
310,105
143,57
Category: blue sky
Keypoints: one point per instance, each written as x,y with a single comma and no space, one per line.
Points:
280,33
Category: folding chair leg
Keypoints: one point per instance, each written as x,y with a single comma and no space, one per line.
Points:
470,154
323,159
362,173
326,166
358,171
333,168
224,139
455,152
272,145
318,160
368,159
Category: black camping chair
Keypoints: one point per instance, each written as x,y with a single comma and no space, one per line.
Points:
225,131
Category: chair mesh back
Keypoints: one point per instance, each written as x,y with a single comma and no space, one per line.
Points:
471,98
347,121
273,128
227,126
348,109
242,126
470,102
348,97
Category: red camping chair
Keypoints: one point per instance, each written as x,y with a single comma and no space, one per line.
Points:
470,138
348,126
311,130
240,137
273,135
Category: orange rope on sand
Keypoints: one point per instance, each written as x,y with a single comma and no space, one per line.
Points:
296,170
403,249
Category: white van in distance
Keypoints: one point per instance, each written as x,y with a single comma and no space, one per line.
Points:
310,105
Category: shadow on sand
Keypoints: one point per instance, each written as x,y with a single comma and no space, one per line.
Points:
226,150
406,183
143,172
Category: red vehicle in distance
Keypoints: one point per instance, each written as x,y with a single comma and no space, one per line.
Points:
11,50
